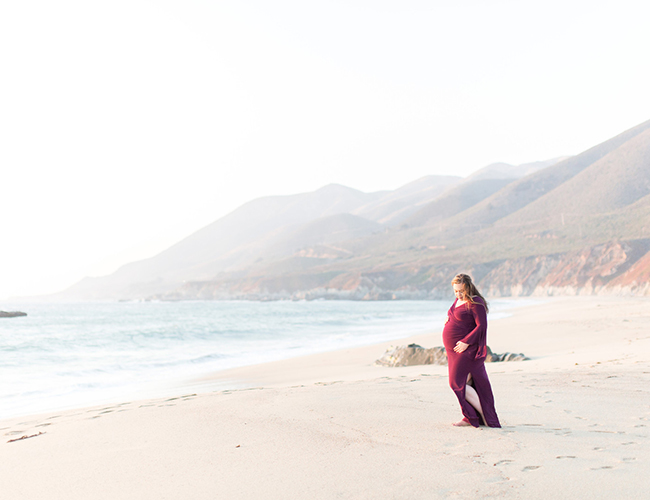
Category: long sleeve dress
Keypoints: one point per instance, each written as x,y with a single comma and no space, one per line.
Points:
468,323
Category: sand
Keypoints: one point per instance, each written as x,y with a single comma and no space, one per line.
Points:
575,425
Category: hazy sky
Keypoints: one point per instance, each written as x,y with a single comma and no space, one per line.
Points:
126,125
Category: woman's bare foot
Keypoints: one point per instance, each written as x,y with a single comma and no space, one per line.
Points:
463,423
472,398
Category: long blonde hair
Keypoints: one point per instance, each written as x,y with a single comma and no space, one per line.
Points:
469,289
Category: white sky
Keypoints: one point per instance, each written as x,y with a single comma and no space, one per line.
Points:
126,125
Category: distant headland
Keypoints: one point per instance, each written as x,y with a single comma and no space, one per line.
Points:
11,314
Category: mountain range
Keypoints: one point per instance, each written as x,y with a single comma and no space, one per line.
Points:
577,224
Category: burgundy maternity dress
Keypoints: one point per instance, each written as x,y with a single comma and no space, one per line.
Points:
468,323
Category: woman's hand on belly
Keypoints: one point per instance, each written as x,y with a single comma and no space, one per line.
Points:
460,347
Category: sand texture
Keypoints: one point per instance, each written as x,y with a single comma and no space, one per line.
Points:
575,422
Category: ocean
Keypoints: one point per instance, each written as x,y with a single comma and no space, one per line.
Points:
69,355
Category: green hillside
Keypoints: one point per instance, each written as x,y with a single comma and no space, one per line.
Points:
523,192
346,243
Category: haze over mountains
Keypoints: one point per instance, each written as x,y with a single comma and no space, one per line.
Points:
568,225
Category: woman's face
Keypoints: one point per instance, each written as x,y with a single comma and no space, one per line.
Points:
459,291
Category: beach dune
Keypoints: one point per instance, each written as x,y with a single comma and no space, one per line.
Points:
575,419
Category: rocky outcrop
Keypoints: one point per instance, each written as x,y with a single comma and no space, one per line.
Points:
414,354
613,267
634,281
11,314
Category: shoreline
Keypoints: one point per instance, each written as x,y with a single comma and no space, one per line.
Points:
187,377
344,364
575,418
334,364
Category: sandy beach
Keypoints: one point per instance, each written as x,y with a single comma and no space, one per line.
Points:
575,422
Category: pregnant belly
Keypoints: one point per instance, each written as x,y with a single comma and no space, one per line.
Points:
452,333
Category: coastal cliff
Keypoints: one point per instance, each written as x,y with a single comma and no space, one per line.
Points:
616,267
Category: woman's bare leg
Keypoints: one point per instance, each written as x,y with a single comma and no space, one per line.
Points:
472,398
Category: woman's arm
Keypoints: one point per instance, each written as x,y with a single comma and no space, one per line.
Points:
477,335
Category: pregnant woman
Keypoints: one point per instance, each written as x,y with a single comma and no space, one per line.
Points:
465,337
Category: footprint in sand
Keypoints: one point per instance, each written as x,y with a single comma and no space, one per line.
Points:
530,467
603,467
43,425
504,462
565,456
13,433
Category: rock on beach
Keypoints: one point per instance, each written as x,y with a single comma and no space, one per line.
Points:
414,354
